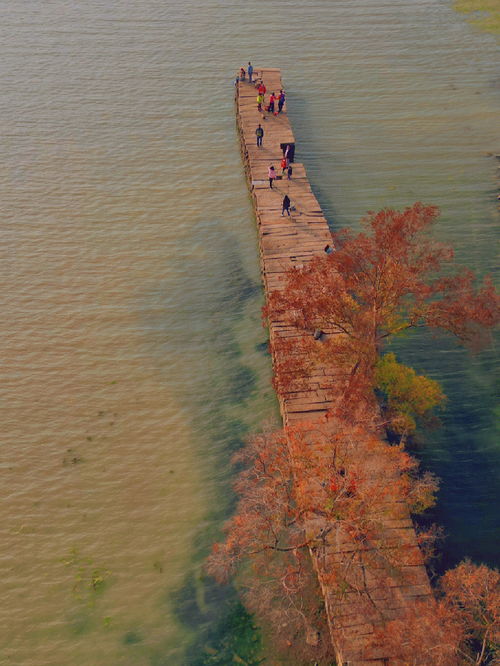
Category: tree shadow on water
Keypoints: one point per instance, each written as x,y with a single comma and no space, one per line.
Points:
224,631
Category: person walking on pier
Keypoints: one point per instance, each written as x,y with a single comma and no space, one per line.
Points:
289,172
284,165
259,132
260,102
286,205
272,175
250,72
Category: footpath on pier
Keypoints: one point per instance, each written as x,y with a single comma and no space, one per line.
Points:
287,242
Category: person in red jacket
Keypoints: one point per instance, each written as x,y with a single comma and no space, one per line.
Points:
262,91
272,100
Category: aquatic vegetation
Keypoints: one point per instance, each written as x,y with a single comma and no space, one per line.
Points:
132,638
406,395
88,580
483,14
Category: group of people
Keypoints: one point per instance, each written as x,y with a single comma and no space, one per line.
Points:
276,102
286,167
272,175
275,106
243,74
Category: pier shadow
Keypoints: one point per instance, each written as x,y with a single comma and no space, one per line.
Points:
307,145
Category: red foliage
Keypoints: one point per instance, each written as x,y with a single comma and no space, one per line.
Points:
326,489
462,627
266,542
472,593
376,285
426,633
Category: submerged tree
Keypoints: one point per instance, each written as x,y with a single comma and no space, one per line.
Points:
426,633
462,627
377,284
407,397
335,490
266,544
472,593
317,490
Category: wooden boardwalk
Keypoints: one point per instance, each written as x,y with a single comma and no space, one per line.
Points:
292,241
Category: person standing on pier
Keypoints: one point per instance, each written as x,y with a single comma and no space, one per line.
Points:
262,91
288,151
289,172
259,132
286,205
260,102
272,100
281,101
272,175
250,72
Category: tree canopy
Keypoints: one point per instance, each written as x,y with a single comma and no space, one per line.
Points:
377,284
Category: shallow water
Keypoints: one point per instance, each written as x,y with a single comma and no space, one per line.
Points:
131,337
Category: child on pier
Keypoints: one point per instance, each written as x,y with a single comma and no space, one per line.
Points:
272,175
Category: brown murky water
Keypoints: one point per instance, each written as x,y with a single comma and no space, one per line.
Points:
130,332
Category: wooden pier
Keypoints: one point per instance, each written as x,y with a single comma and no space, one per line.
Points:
286,242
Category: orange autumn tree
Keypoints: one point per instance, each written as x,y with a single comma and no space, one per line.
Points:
425,633
377,284
298,491
266,545
462,627
472,593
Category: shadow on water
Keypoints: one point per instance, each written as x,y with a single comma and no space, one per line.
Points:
218,396
310,150
463,452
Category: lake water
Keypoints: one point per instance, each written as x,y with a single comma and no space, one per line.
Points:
132,350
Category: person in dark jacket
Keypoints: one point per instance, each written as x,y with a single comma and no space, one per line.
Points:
259,133
281,101
289,153
286,205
